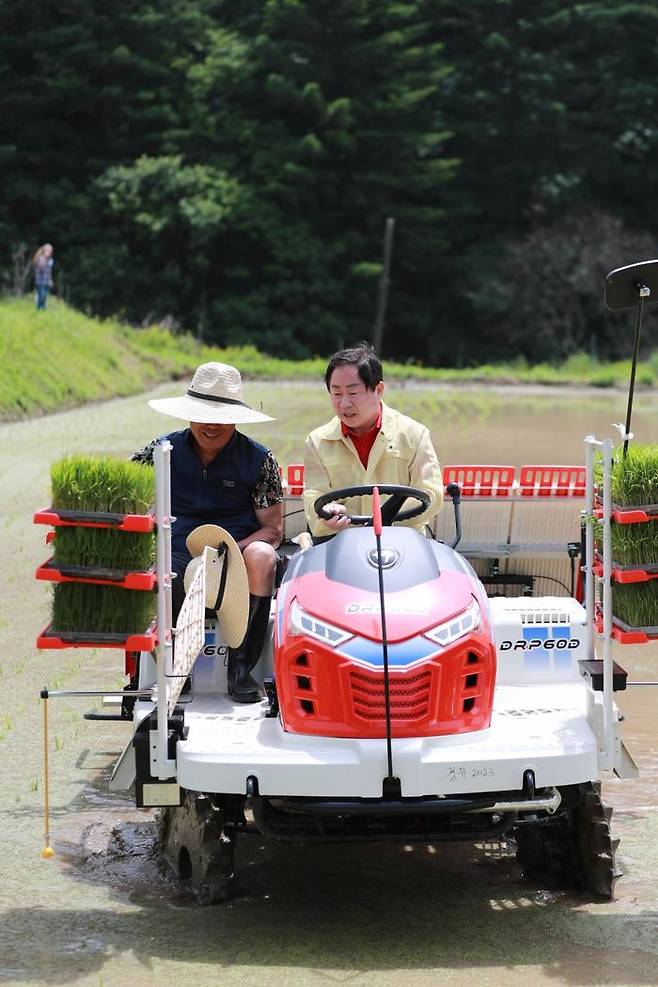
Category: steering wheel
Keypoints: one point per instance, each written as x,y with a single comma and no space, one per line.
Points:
391,509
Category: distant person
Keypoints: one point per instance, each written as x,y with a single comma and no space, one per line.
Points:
366,443
43,273
221,476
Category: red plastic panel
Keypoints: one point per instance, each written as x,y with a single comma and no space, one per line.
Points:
480,481
296,479
628,515
80,574
130,663
632,636
89,519
552,481
133,642
621,575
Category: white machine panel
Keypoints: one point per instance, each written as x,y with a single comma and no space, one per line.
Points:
538,639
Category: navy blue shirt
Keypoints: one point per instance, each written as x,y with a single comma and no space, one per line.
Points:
243,477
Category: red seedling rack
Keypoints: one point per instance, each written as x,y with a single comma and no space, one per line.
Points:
91,519
625,634
100,577
49,639
621,514
629,573
50,570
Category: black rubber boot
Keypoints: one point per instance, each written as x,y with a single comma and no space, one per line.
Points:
241,686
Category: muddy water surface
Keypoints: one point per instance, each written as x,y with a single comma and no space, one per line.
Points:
105,911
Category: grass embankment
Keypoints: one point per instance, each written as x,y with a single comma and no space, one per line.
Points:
61,358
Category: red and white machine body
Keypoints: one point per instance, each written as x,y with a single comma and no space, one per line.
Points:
482,690
328,640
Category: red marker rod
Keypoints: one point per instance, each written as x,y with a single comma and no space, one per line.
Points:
376,511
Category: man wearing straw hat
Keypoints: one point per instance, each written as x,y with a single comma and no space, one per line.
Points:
221,477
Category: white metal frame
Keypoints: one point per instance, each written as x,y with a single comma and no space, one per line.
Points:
608,754
162,766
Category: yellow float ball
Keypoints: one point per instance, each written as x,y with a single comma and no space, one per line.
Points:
47,853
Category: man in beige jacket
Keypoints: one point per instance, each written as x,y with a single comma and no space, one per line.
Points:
367,442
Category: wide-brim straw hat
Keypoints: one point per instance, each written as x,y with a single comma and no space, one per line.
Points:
214,397
227,586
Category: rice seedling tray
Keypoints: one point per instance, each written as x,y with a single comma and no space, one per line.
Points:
54,572
94,519
629,573
624,633
49,639
625,514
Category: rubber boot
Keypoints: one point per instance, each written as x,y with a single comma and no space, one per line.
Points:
241,686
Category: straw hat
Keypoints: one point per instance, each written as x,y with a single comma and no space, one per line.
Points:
227,587
213,398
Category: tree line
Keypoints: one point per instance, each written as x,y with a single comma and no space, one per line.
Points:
229,165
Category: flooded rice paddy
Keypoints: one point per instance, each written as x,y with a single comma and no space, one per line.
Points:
106,912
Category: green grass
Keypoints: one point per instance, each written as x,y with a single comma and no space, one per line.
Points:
85,607
101,483
636,603
105,548
635,478
62,358
634,483
635,544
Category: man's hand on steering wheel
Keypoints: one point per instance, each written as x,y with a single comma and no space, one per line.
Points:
335,516
339,519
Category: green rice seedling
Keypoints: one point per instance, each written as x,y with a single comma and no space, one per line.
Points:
104,547
634,483
635,544
101,483
636,603
88,608
635,478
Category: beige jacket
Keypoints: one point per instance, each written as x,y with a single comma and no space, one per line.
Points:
402,453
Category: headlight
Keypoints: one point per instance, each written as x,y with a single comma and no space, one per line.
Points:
301,622
456,627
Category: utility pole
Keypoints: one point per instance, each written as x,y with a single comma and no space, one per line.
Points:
382,295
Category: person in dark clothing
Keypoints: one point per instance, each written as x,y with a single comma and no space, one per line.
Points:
221,476
43,273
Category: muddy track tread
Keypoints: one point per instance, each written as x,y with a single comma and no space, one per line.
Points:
573,850
191,838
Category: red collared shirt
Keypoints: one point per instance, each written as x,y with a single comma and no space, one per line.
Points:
364,441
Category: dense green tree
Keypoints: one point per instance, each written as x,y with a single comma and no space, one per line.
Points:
340,100
552,108
230,164
86,86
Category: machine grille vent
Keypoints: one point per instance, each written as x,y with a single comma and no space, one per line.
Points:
409,695
543,617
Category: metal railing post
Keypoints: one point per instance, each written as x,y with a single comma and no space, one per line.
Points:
608,712
590,443
161,766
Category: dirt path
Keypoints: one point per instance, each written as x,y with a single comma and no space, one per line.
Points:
105,912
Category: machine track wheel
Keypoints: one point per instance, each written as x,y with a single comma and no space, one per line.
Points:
573,849
198,843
